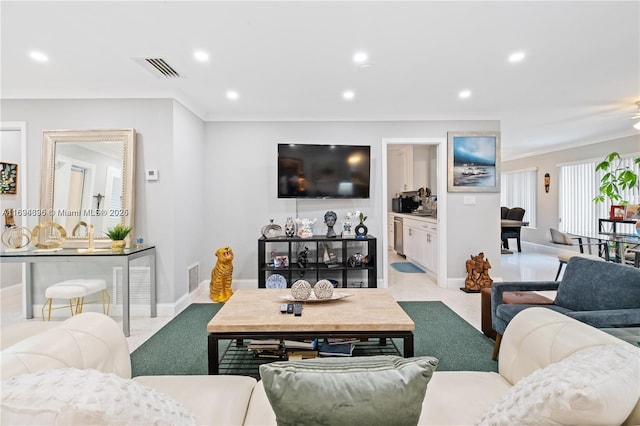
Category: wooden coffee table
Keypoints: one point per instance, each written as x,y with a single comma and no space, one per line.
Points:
255,314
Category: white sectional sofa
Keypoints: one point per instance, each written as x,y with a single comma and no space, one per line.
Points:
535,339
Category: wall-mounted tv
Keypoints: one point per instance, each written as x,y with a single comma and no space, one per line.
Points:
323,171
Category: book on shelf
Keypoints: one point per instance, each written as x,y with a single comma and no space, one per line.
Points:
341,349
270,344
269,353
339,340
301,354
300,344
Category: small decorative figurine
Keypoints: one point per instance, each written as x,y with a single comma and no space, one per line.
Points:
477,274
221,275
92,231
330,218
347,225
303,258
290,227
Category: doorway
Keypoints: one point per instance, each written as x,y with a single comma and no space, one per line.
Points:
439,188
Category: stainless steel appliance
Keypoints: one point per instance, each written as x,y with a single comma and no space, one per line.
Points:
397,236
404,204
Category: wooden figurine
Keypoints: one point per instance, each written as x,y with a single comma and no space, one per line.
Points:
477,274
221,275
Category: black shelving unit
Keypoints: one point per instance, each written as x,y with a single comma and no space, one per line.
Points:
272,250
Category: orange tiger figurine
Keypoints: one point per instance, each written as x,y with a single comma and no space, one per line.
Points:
221,275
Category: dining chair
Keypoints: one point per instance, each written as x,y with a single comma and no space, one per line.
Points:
515,213
503,212
558,237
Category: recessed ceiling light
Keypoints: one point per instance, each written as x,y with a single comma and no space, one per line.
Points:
516,57
348,94
38,56
201,56
232,94
360,58
464,94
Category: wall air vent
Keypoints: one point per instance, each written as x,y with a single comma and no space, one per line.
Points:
158,67
194,276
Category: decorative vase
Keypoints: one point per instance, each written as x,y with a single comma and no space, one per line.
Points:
355,260
290,227
271,230
305,227
361,230
118,245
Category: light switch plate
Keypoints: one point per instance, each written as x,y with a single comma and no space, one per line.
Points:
469,201
152,174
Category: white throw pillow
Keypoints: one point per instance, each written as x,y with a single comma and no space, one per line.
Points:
86,397
599,385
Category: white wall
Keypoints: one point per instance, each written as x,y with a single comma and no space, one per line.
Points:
240,196
188,186
153,121
548,206
217,183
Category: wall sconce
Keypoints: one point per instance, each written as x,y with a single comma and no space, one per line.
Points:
547,181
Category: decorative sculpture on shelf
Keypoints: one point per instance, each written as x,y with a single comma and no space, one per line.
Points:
92,246
477,274
289,227
330,218
347,225
221,275
303,258
361,229
16,238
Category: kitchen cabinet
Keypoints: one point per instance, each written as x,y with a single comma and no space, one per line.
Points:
421,242
431,249
406,156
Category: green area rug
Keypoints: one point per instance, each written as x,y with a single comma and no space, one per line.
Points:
180,347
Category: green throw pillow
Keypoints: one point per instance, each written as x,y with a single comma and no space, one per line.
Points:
381,390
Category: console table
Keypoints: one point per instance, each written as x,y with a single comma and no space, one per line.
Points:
122,259
279,255
602,224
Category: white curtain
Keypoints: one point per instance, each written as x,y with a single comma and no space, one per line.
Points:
579,185
519,189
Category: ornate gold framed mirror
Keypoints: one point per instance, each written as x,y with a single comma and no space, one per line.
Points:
88,178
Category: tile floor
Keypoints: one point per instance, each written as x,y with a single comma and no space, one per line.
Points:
535,263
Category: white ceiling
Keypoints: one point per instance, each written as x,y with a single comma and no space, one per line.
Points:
292,60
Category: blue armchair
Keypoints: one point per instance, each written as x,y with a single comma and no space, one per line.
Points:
601,294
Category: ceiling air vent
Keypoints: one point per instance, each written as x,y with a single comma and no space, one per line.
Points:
158,67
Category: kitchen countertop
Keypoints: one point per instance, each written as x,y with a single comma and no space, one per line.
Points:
425,218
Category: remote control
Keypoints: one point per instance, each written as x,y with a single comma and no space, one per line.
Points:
283,308
290,308
297,309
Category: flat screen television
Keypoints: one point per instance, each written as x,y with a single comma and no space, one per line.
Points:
323,171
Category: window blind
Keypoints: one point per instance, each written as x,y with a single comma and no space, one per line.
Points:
519,189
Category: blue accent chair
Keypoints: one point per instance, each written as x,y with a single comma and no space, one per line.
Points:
601,294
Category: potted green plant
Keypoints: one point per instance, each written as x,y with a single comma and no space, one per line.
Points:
117,234
616,178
